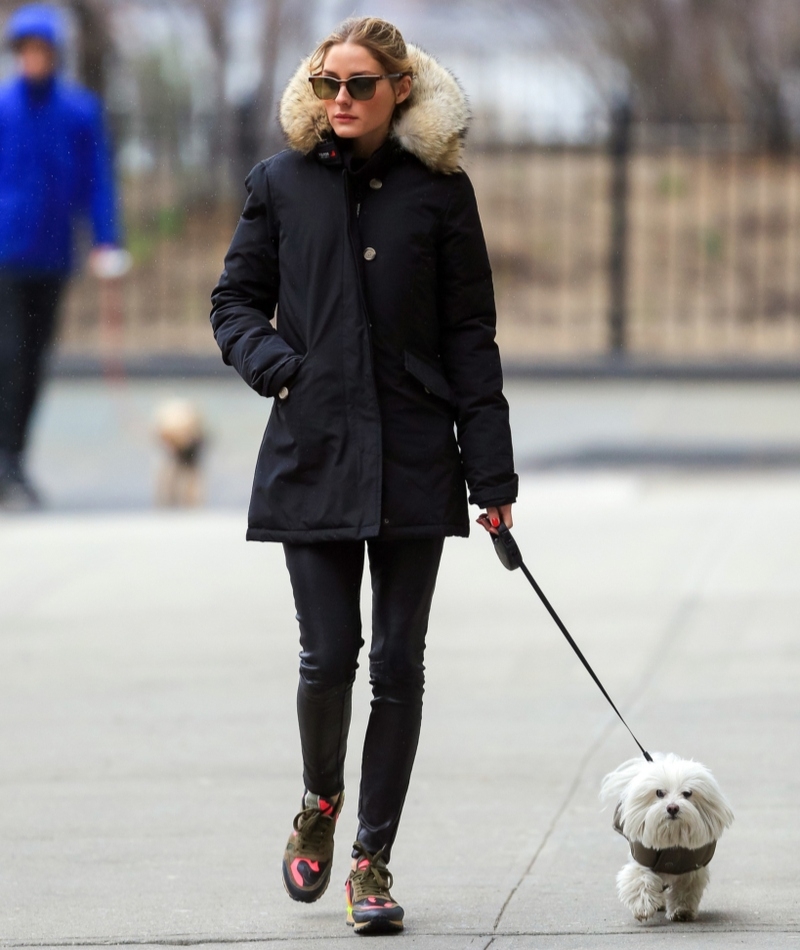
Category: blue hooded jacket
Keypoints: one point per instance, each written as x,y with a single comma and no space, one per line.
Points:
55,164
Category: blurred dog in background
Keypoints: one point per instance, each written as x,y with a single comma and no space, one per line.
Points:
180,430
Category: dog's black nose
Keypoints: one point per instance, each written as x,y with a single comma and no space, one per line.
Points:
672,810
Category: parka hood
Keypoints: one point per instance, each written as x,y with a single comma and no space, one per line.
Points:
432,126
36,20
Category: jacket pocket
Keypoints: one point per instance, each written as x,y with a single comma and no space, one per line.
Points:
288,380
430,376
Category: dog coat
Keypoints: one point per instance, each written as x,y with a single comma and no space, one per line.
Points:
670,860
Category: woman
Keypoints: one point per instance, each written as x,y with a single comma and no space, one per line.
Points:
365,235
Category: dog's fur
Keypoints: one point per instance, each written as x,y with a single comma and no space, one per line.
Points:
667,803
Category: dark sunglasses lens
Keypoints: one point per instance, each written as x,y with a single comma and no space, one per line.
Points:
325,88
362,87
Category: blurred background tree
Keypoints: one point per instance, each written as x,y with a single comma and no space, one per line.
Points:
694,60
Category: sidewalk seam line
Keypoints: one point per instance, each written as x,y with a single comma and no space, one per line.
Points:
202,941
552,826
678,619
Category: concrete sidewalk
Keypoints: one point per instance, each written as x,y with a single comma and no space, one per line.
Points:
149,765
94,446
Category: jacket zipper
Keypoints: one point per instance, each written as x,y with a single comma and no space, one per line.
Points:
355,248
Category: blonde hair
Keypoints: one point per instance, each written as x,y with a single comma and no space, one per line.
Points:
383,40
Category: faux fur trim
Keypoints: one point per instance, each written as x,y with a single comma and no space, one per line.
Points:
432,126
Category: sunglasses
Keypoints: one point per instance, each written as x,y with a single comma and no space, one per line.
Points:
360,88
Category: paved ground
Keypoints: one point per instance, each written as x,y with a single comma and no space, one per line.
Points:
149,758
94,446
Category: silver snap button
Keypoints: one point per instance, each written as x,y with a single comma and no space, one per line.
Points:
386,521
283,392
376,183
370,254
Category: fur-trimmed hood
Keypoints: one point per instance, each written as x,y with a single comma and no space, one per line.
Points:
432,126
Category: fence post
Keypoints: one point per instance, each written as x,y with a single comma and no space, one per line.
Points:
619,150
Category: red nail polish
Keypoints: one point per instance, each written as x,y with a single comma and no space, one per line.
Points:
495,522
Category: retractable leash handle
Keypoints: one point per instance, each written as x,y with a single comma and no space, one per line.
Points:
510,556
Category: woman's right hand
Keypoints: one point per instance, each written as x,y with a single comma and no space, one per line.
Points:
493,516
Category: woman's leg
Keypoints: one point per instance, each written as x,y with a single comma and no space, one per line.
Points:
326,582
12,372
403,580
41,298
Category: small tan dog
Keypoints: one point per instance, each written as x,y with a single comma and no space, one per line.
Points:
180,430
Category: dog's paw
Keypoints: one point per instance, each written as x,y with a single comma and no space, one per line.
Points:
645,904
644,908
681,914
640,890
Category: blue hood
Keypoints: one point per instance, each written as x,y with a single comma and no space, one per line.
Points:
36,20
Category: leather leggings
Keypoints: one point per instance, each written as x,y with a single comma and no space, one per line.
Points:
326,581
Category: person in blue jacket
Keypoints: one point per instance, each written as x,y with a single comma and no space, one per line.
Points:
55,167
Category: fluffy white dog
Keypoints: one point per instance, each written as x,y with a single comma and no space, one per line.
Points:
672,812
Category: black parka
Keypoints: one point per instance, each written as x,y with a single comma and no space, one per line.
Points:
381,359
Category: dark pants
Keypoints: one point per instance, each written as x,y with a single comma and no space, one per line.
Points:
27,319
326,580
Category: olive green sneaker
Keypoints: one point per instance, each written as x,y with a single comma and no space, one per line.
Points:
370,907
309,851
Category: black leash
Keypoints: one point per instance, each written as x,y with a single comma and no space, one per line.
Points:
511,558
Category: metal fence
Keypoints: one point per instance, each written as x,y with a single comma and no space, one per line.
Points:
684,245
709,249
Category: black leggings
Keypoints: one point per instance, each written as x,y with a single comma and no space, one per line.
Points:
27,320
326,581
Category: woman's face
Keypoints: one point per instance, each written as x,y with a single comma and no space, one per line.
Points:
366,121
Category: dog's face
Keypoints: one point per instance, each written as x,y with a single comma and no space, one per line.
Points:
670,802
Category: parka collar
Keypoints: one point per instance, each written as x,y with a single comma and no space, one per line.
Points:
37,92
432,126
339,152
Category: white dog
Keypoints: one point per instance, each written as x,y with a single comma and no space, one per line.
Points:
672,812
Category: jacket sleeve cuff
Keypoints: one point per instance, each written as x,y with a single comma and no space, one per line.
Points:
497,495
284,373
497,503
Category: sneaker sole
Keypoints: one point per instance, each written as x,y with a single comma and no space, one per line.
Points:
379,924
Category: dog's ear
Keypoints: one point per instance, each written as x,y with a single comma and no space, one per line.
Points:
712,805
615,783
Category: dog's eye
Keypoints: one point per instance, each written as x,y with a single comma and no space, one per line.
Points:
687,794
659,793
